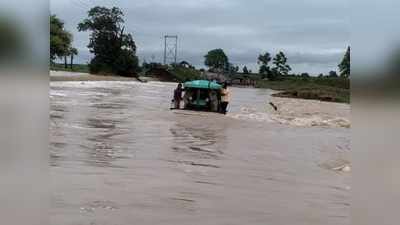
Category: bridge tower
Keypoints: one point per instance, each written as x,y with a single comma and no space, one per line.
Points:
170,49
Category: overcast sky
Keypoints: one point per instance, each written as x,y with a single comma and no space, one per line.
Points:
313,33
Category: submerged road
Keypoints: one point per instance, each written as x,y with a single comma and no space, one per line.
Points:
120,156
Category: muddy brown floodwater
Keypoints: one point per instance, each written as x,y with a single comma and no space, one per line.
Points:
119,156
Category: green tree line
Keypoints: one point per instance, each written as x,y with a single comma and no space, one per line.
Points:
271,68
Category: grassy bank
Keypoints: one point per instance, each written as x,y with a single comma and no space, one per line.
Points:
324,89
80,68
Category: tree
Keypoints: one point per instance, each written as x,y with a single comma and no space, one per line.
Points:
305,75
263,60
333,74
264,71
274,74
65,60
344,66
245,70
216,59
281,66
230,69
320,75
60,39
114,51
72,52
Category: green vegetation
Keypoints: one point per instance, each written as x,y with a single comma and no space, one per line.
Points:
265,70
114,51
80,68
281,67
325,88
60,41
245,70
216,60
180,72
183,74
332,74
72,52
344,66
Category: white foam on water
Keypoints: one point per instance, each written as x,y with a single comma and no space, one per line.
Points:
55,93
247,113
298,112
312,121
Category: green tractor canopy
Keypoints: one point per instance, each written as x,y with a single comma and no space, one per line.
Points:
202,95
202,84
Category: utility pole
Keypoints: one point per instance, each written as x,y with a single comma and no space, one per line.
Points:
170,49
165,50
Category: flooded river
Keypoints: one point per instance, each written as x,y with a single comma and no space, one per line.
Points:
119,156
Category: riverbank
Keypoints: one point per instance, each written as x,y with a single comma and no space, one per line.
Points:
76,68
294,112
323,89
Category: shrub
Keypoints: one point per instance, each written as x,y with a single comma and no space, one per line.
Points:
126,64
182,74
